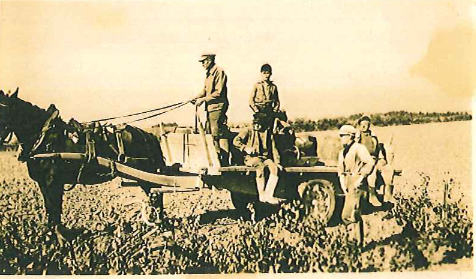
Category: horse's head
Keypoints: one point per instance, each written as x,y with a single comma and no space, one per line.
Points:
6,113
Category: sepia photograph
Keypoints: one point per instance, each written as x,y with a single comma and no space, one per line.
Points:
317,138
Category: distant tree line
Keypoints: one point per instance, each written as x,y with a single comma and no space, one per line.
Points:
392,118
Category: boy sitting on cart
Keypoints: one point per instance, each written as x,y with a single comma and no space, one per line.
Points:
259,147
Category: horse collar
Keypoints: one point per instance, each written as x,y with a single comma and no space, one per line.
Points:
38,140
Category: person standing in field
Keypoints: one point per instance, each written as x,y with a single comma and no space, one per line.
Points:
367,138
355,164
215,97
264,97
260,151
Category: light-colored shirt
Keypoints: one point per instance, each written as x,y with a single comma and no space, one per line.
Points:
264,93
356,160
375,148
369,140
215,90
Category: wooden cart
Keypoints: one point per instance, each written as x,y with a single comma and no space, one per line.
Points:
193,164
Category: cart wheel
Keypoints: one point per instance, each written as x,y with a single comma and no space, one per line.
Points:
318,197
240,200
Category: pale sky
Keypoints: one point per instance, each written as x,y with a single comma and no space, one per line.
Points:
97,59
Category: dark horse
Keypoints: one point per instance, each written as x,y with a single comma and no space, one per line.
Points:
42,131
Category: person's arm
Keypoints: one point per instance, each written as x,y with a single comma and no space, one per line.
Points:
380,152
368,162
202,94
276,100
340,172
252,103
195,100
220,82
340,163
199,99
241,139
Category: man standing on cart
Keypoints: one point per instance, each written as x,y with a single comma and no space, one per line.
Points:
354,166
259,148
214,95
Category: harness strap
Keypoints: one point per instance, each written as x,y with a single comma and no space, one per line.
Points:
90,148
175,106
90,145
139,113
78,178
120,145
25,153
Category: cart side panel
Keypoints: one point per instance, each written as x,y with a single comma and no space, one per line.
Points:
234,181
245,182
188,150
328,147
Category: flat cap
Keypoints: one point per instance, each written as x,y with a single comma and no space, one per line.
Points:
347,130
206,56
364,118
266,67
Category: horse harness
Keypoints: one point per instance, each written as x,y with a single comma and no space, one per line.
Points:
74,130
38,139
